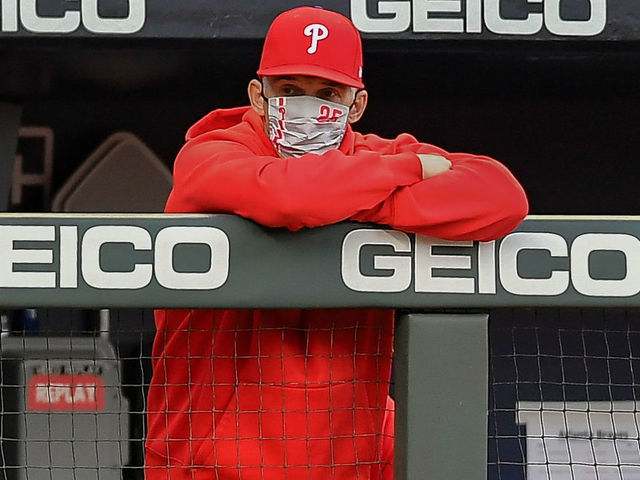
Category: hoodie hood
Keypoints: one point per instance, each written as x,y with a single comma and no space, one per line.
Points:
217,120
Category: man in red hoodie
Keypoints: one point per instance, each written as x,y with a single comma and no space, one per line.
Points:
302,394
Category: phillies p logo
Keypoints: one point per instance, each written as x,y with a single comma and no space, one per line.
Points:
317,32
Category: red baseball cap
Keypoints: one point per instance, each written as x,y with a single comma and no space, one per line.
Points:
313,41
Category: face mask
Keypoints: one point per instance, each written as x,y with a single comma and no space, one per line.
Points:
304,124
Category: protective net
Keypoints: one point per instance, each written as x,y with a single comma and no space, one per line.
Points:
564,394
275,394
73,386
75,395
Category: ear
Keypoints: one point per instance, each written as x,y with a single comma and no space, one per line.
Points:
255,97
359,105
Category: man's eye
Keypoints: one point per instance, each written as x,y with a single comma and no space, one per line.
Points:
329,94
290,91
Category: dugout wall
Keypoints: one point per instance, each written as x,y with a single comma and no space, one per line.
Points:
559,386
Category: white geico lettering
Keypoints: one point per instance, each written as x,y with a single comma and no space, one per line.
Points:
584,245
352,276
15,12
433,271
214,277
9,255
92,242
581,249
426,263
512,245
427,17
166,241
139,275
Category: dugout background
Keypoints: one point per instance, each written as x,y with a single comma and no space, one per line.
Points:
563,116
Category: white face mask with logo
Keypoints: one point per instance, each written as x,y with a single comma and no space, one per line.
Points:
305,124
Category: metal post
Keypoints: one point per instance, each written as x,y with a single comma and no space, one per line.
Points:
105,322
441,385
9,124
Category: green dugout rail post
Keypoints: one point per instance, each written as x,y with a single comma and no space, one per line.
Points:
222,261
441,393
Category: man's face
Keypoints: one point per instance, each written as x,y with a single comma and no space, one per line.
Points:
295,85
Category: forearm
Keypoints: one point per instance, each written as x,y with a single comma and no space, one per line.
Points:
308,191
478,199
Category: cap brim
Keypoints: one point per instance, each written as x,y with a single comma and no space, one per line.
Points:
312,70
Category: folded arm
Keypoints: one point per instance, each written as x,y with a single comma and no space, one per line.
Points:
309,191
476,199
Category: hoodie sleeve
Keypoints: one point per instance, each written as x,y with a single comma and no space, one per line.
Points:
477,199
214,175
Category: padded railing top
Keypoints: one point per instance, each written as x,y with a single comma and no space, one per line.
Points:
223,261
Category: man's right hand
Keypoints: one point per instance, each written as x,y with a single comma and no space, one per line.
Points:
433,165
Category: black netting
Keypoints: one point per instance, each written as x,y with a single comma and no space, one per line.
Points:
73,385
564,394
292,392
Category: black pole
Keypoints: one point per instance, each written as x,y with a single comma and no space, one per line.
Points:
10,115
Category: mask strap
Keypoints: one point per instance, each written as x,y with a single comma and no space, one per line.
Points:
262,91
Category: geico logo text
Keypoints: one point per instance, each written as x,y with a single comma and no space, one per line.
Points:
26,13
91,261
421,265
446,16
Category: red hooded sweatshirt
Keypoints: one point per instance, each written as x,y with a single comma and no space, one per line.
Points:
300,394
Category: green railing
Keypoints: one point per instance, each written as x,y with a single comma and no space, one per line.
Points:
198,261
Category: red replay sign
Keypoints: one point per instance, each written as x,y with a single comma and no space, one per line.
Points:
65,393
